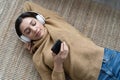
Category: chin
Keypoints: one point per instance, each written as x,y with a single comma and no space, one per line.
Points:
38,38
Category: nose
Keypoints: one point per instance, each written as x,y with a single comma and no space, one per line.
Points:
33,30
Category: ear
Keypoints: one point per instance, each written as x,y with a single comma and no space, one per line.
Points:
40,18
24,39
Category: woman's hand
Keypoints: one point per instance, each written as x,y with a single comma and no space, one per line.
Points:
60,57
28,46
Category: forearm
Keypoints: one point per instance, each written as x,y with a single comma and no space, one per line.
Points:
58,62
29,6
47,74
58,67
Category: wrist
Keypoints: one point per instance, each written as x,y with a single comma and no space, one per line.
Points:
58,67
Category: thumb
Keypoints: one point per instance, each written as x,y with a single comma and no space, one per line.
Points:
53,54
27,46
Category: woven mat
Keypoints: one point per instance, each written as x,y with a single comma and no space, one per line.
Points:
99,22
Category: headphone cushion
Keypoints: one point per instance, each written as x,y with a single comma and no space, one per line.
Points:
41,19
24,39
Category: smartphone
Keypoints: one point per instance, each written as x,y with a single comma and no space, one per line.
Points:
56,47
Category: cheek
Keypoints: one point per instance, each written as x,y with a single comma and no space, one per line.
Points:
42,27
30,36
39,24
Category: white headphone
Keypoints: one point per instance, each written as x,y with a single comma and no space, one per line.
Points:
41,19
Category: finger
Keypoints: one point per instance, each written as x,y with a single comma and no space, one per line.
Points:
65,46
65,49
53,54
31,51
25,44
28,46
62,47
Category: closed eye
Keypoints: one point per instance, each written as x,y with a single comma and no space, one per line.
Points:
33,23
27,31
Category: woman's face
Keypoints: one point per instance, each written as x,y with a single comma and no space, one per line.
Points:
32,28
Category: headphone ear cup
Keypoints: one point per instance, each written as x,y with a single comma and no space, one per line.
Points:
41,19
24,39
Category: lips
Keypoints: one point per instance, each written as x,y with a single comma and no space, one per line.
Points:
38,33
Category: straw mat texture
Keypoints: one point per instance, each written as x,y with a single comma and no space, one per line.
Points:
99,22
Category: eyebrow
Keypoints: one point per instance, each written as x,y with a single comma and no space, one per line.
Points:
27,27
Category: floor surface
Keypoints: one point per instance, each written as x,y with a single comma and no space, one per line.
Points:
97,19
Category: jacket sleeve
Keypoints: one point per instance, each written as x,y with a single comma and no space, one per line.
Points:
46,73
58,75
29,6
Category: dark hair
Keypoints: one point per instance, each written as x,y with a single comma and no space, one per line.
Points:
19,21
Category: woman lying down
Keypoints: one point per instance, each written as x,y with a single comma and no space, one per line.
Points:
59,49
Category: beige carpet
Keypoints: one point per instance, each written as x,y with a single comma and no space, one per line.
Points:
99,22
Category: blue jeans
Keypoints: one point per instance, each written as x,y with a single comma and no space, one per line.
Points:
110,69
